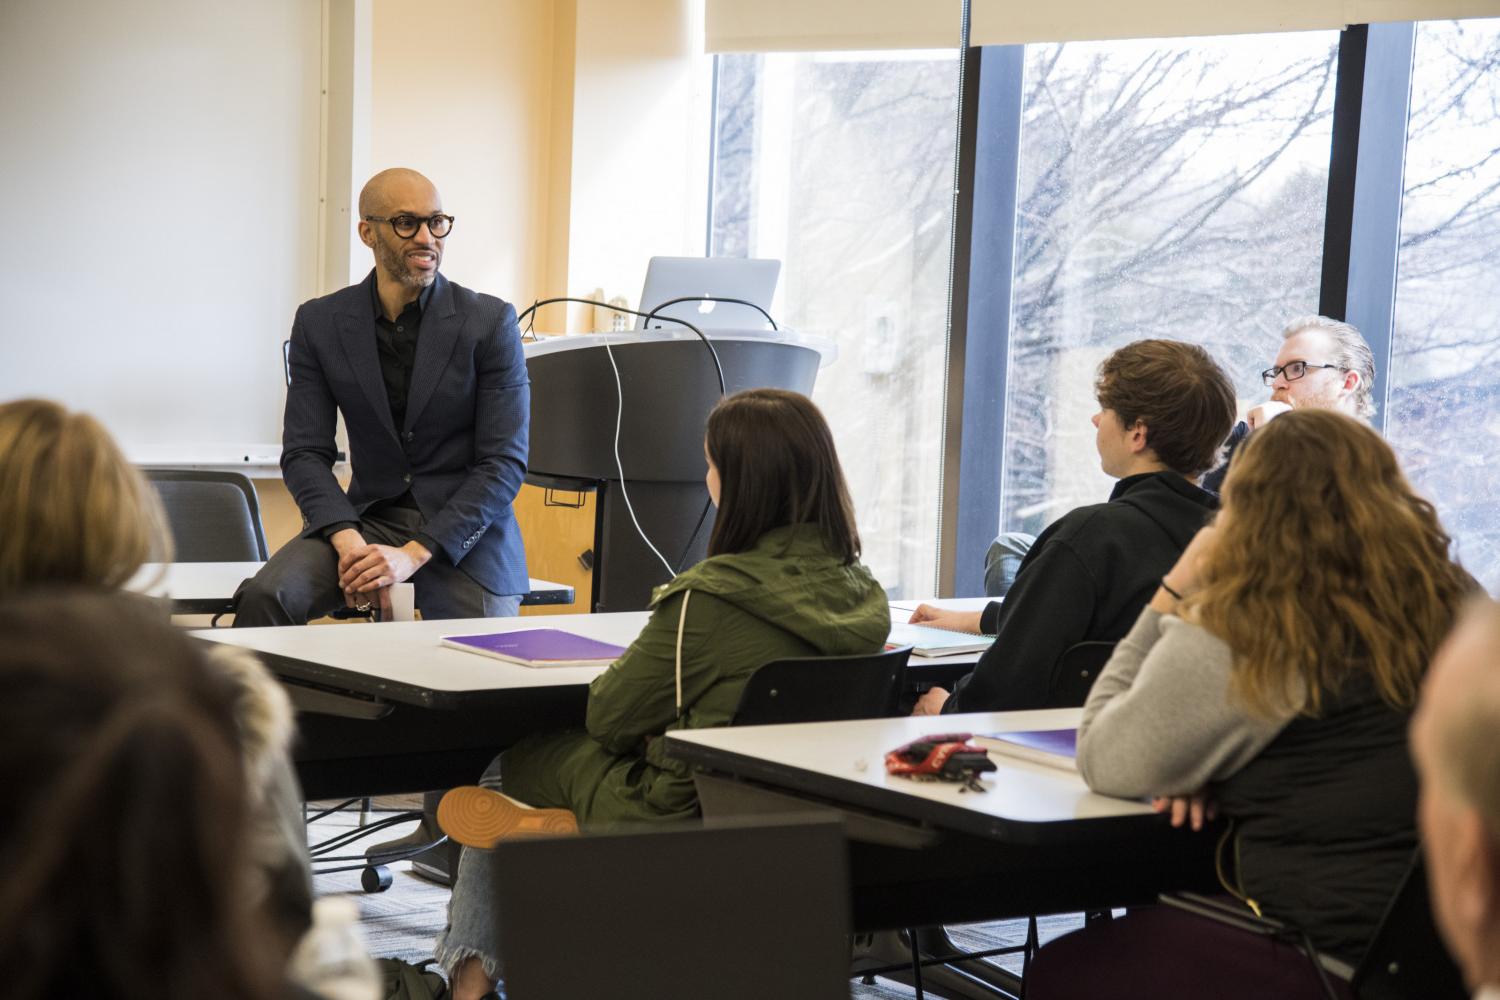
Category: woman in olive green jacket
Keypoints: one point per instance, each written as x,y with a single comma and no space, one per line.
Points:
782,579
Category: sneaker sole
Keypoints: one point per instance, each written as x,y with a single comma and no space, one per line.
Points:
478,817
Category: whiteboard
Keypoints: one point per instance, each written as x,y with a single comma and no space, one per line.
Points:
160,164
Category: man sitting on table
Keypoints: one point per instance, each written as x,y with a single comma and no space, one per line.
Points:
1458,760
432,384
1323,363
1165,406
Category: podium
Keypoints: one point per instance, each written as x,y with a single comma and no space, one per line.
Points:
667,386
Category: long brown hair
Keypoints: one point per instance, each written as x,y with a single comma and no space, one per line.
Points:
74,510
124,825
1328,564
777,466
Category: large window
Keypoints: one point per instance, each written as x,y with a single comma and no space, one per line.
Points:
1443,413
841,165
1167,189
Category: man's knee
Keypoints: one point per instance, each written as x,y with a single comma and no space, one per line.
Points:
300,582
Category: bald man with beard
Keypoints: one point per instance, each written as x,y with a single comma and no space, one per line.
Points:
431,382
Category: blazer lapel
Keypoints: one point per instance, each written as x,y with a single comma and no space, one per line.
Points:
441,324
357,335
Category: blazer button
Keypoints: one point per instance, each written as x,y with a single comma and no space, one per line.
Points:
406,479
410,435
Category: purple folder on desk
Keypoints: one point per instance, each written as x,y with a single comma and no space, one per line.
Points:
538,647
1054,747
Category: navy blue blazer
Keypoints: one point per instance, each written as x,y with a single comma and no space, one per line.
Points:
462,452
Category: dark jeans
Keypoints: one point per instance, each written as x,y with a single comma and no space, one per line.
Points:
301,580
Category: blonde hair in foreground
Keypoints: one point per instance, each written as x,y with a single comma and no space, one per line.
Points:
72,509
1327,565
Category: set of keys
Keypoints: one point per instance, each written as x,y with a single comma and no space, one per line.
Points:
941,757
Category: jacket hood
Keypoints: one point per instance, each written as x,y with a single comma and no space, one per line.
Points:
1169,501
790,580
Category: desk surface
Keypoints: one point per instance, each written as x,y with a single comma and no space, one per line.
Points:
845,762
947,603
208,587
405,662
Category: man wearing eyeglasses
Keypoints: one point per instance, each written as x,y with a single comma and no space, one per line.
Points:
1323,363
431,382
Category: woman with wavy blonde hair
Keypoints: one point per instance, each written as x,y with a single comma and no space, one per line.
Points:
1271,680
72,509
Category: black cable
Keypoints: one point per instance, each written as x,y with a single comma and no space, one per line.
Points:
696,528
360,832
1317,964
718,369
707,298
718,366
330,811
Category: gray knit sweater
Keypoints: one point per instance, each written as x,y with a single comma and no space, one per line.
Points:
1160,719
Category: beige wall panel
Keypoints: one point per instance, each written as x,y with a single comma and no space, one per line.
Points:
640,141
461,90
799,25
556,533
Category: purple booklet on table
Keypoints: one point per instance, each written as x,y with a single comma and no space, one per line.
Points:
1053,747
538,647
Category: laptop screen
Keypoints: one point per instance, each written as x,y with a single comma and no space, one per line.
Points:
751,279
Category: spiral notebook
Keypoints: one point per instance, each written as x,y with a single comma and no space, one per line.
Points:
538,647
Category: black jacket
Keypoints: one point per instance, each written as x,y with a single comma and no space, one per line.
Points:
462,449
1214,480
1086,578
1325,819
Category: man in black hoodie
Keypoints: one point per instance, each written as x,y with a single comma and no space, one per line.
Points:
1165,407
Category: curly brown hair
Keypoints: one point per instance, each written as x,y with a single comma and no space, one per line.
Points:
1179,392
1327,565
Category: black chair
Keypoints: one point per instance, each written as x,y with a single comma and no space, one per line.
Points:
1407,958
670,914
214,516
1075,672
824,689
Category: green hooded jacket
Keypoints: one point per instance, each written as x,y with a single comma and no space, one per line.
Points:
786,597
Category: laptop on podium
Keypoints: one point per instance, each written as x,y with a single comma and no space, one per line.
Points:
749,278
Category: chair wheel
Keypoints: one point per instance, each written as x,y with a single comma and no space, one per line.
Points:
375,878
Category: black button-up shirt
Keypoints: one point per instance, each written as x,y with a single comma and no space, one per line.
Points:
396,345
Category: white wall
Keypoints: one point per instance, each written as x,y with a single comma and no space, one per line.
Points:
160,167
179,183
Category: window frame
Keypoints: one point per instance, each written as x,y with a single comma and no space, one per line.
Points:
1358,280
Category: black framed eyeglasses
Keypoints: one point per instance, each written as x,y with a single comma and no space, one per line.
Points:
1293,371
406,226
